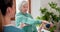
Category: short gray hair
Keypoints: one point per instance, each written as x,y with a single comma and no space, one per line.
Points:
22,3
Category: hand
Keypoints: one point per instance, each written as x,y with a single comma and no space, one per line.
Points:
45,22
51,25
22,25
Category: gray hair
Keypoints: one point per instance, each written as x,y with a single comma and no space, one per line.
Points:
23,3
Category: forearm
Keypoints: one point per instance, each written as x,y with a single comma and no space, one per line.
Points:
45,22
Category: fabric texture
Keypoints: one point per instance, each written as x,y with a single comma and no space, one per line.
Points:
11,29
27,19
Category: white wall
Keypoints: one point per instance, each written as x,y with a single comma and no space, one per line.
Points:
36,4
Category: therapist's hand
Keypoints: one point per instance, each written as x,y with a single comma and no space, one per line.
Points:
46,22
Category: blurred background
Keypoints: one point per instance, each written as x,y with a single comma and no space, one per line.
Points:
34,6
43,10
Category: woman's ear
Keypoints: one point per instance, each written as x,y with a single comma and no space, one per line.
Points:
8,12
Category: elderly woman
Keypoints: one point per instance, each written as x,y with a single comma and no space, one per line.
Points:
24,17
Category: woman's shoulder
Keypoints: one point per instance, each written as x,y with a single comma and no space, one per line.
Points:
29,15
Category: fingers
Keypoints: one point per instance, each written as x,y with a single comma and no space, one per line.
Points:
46,22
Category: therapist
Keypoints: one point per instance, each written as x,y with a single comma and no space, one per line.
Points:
26,18
7,11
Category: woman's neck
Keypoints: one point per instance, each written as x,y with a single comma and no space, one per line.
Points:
6,20
23,12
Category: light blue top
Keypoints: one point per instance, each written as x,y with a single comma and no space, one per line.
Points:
27,19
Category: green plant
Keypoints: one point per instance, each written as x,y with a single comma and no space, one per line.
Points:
50,16
54,6
47,14
43,10
52,29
